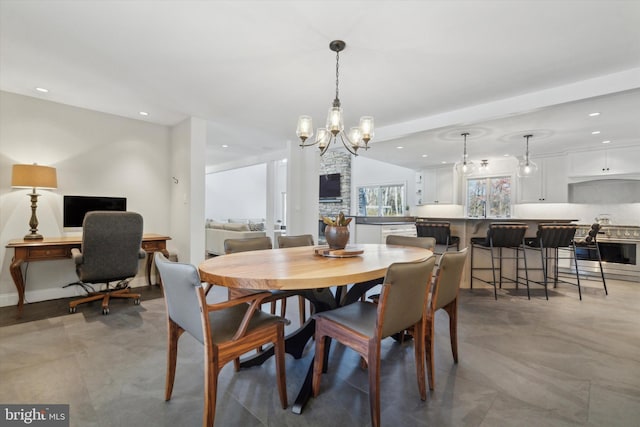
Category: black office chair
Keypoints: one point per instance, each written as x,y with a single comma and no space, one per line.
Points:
550,240
441,231
110,252
507,235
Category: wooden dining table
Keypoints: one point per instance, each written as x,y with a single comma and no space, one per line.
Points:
320,279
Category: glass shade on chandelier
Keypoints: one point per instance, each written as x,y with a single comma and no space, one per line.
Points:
526,167
356,138
465,166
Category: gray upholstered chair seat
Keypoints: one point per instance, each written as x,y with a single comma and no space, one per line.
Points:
360,317
228,319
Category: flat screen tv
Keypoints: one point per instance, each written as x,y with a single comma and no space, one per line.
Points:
330,186
75,208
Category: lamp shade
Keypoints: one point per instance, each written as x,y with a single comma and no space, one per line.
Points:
32,176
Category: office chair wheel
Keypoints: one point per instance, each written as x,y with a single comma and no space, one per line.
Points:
105,310
72,310
136,301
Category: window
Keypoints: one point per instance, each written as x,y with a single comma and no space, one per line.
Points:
489,197
381,200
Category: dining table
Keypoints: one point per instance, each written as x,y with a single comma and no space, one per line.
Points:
327,279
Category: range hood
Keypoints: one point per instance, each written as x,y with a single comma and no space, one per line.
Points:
605,191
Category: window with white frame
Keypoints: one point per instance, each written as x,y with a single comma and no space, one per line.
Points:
381,200
489,197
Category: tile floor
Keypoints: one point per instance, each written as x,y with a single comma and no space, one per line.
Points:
562,362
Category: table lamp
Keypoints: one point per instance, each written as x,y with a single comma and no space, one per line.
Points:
32,176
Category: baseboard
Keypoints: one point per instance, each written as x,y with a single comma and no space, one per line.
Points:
10,299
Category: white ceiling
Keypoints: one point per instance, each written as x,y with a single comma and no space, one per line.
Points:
426,70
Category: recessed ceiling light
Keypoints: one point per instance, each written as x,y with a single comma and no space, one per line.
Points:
595,132
443,162
594,114
399,147
425,155
506,155
225,146
41,89
606,142
144,113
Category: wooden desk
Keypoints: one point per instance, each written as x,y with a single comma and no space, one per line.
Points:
301,272
52,248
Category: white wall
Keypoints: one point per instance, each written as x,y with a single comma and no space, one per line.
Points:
94,154
237,193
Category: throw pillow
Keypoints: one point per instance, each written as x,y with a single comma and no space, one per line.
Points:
256,226
236,227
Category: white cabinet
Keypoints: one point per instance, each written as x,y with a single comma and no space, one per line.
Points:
419,189
549,185
377,233
619,161
437,186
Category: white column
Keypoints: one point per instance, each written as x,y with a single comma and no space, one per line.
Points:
303,169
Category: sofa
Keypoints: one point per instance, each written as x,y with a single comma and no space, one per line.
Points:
217,232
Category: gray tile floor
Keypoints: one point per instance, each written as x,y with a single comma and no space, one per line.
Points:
562,362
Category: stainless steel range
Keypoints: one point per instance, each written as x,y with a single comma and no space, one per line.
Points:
619,248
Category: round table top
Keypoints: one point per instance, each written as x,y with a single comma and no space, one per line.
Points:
301,268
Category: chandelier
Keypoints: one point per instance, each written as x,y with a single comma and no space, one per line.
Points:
466,167
526,167
357,137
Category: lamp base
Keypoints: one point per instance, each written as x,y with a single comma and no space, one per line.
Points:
33,236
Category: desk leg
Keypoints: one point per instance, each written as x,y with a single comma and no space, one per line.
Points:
150,265
18,280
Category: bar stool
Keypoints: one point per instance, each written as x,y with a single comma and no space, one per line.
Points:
590,243
550,239
501,235
440,230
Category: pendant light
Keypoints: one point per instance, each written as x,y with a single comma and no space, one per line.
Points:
466,166
526,167
357,137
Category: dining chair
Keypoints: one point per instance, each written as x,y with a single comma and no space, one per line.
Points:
444,295
292,242
398,240
419,242
362,325
227,330
232,246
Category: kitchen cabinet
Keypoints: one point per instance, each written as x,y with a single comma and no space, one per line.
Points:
549,185
434,186
619,161
377,233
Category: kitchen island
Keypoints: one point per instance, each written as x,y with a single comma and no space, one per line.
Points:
375,230
466,228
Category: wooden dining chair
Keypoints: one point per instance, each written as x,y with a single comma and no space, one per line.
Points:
227,330
232,246
292,242
444,295
362,325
